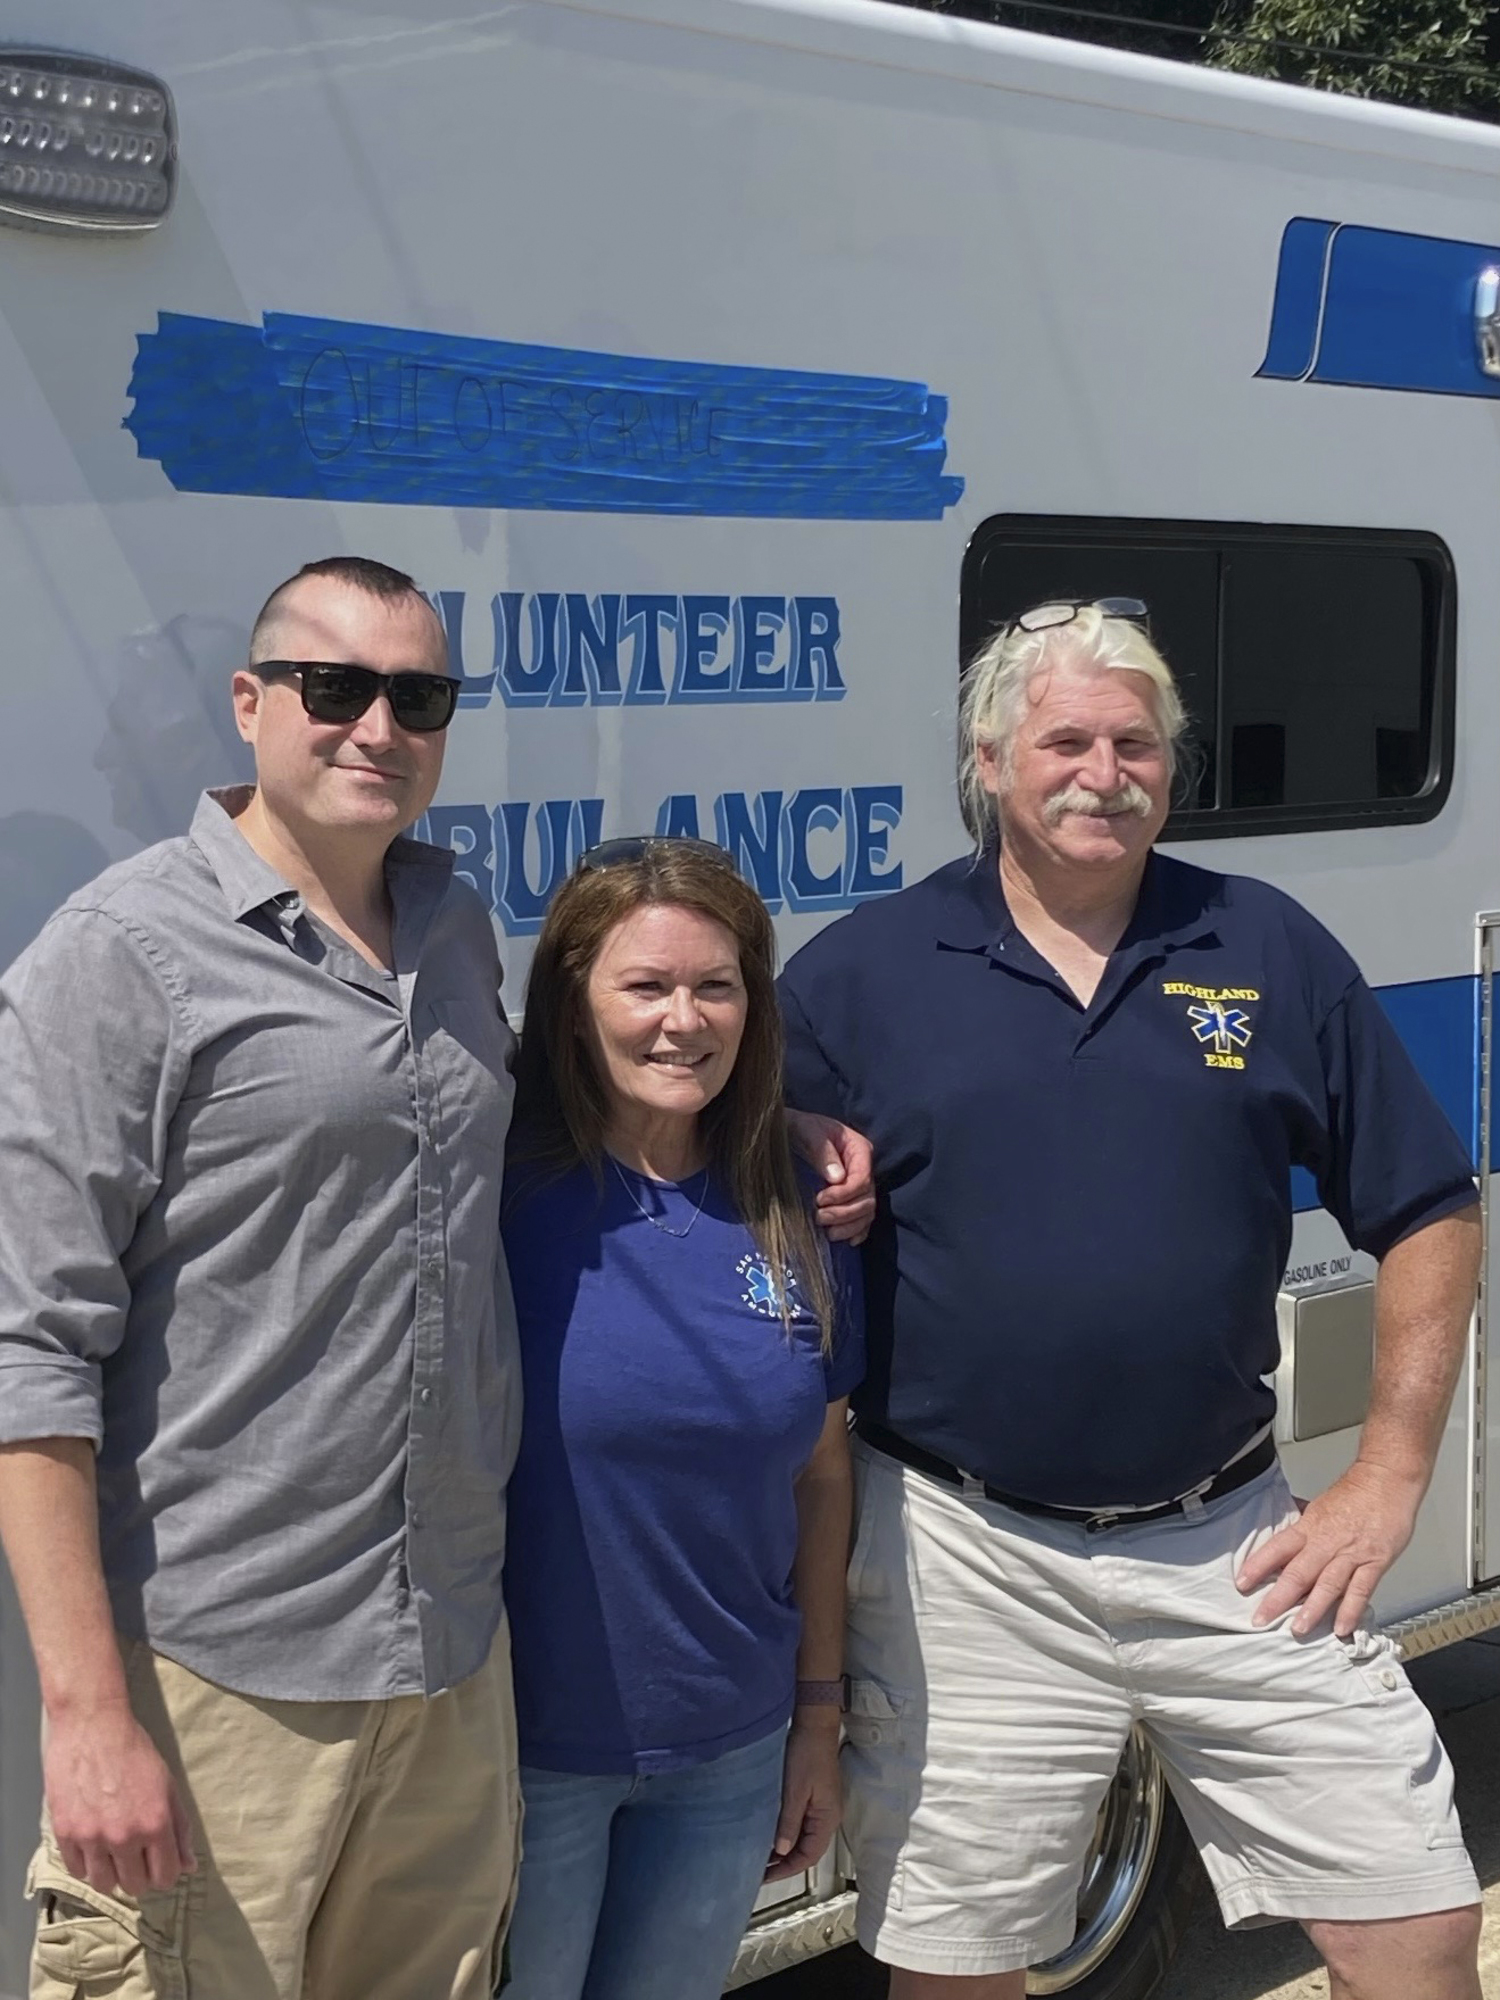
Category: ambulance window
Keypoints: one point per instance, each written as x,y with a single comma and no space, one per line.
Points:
1316,664
1328,685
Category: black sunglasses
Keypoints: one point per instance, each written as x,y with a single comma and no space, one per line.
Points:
333,691
637,846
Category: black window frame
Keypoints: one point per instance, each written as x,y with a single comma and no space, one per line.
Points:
1116,531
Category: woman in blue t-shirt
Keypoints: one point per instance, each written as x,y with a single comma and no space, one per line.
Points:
679,1514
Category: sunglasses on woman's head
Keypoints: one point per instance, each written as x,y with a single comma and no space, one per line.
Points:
637,846
334,691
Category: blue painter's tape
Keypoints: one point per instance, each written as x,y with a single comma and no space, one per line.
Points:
327,409
1297,307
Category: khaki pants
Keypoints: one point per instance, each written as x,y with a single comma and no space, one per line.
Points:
347,1850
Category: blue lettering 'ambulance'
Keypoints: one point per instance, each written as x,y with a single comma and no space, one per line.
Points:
822,847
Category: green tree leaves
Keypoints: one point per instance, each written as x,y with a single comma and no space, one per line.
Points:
1441,55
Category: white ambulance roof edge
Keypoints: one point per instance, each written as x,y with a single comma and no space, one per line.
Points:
978,53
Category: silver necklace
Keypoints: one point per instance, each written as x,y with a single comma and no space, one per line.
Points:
643,1210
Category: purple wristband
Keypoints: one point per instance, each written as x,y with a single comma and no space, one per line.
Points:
822,1694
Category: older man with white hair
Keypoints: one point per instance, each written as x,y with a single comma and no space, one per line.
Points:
1087,1070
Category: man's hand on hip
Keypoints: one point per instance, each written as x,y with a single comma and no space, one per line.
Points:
1333,1558
846,1161
1335,1555
115,1811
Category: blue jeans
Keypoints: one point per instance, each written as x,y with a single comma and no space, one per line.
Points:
639,1888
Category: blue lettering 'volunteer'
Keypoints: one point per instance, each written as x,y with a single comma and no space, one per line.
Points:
640,649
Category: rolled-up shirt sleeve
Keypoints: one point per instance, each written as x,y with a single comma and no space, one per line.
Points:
94,1051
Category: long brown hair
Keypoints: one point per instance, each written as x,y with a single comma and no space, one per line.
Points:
562,1105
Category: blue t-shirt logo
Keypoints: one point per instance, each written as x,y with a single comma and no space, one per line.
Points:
761,1292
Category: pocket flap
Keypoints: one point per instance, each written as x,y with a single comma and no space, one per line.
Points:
48,1880
83,1939
870,1698
92,1918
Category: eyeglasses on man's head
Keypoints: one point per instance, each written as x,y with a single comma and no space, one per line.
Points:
1063,610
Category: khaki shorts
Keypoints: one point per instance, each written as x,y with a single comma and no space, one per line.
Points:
347,1850
998,1662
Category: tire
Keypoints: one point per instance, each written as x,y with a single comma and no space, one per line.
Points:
1141,1880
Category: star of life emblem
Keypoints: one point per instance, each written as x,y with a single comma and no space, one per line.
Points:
762,1293
1227,1028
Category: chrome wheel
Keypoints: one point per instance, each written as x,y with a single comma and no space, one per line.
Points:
1126,1837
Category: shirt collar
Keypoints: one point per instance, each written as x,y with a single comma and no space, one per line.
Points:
416,872
1176,905
972,913
248,882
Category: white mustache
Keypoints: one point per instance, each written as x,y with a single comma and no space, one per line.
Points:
1079,799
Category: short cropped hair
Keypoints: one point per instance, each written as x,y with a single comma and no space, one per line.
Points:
375,579
995,687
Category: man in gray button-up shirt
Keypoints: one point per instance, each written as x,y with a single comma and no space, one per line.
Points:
254,1086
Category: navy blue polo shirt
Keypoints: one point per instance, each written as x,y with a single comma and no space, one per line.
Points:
1085,1213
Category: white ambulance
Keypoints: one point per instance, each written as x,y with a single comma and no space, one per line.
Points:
727,369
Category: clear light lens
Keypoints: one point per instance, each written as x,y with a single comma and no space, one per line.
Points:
83,143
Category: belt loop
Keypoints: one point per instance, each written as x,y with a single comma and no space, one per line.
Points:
970,1487
1192,1503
